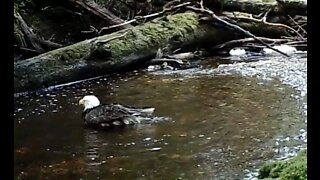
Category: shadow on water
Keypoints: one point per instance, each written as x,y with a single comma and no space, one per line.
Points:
220,125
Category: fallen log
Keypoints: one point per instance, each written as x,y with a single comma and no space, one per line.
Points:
121,50
276,7
113,52
283,7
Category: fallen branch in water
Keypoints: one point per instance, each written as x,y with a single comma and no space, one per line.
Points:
263,20
162,60
300,27
171,63
212,14
235,43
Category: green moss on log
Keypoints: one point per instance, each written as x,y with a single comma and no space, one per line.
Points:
71,63
139,43
176,29
117,51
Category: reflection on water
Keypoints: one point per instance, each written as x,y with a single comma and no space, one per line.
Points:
219,127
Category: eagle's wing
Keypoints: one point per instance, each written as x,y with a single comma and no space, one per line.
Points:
143,111
107,114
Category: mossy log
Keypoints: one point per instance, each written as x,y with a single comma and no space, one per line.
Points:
120,50
280,7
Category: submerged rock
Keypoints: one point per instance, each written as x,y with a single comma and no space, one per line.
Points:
237,52
283,48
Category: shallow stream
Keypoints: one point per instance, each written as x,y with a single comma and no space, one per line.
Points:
223,124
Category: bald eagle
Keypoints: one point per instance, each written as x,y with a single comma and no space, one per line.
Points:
107,115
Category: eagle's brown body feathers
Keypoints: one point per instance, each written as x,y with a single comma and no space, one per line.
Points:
115,114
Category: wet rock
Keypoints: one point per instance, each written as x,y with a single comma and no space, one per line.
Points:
155,149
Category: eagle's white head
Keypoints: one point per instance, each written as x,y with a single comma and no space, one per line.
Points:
89,101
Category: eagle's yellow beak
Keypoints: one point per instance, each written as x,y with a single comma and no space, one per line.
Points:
81,102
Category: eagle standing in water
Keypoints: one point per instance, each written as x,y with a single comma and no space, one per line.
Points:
103,115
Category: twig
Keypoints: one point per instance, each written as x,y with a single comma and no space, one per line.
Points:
264,18
176,50
92,30
117,25
296,42
145,17
97,41
201,4
271,24
51,38
235,27
26,49
304,31
50,43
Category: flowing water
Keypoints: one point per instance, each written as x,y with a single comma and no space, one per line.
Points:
221,126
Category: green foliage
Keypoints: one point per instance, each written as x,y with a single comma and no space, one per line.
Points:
294,169
22,4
